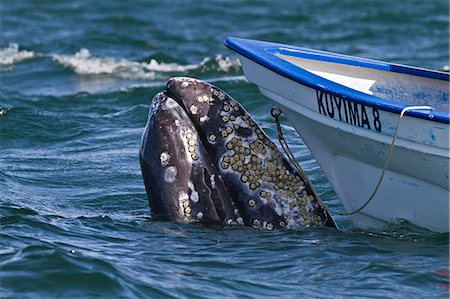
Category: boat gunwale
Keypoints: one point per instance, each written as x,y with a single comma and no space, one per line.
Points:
264,53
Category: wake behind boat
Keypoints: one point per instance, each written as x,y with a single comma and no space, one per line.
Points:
347,110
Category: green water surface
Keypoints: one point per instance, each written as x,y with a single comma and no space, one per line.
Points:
76,80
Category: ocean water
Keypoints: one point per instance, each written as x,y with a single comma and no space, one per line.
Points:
76,80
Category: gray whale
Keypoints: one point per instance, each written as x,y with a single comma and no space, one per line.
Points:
205,160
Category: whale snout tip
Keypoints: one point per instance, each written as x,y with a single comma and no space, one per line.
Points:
186,91
181,82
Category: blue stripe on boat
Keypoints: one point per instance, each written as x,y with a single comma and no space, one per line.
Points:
263,53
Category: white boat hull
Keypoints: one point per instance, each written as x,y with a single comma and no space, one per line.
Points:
352,151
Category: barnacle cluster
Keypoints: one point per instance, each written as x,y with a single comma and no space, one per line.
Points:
191,142
205,99
265,224
164,157
218,94
184,205
260,166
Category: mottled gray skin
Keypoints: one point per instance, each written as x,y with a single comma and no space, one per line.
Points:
180,179
258,187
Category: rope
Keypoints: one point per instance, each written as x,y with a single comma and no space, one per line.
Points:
276,113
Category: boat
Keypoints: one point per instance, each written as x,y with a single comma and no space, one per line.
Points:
378,130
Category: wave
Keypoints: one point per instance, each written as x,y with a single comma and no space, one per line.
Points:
82,62
12,54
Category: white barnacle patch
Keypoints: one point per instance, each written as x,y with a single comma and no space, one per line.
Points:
183,201
204,99
164,158
170,174
309,207
169,104
189,141
218,94
291,223
194,109
241,122
199,215
279,210
183,79
194,194
268,226
213,180
184,84
212,138
204,118
182,196
231,222
156,103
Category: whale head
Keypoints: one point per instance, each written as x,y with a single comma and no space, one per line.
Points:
204,159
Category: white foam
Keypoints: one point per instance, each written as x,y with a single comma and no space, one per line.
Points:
12,54
154,65
82,62
226,63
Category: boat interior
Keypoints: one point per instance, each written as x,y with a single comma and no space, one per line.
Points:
398,87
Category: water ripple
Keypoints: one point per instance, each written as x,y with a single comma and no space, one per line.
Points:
74,98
